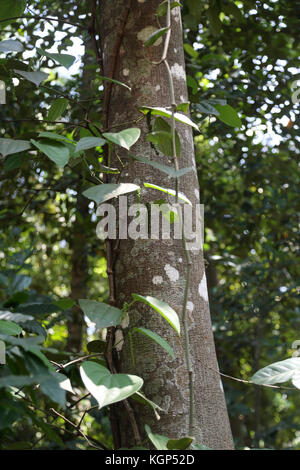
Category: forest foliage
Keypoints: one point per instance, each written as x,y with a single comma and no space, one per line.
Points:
241,63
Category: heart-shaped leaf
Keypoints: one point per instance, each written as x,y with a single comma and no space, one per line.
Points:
159,442
108,388
56,151
125,138
35,77
169,170
10,146
103,315
277,372
11,45
89,142
63,59
104,192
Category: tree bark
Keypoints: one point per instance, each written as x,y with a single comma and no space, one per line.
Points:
157,267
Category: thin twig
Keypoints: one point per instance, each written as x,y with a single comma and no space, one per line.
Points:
252,383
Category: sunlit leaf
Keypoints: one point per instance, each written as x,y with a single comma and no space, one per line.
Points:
102,314
89,142
104,192
151,40
277,372
11,45
167,113
171,192
35,77
162,308
108,388
63,59
125,138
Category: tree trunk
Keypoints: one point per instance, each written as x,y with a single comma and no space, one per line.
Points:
157,267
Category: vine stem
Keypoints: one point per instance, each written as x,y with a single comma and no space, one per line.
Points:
187,254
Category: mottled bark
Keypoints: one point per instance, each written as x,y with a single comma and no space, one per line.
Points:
157,268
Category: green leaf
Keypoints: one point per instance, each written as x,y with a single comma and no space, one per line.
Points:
180,444
162,8
56,151
35,77
51,386
184,107
190,50
17,381
11,45
96,346
10,146
104,192
296,379
171,192
89,142
206,108
63,59
232,9
114,81
32,326
64,304
158,339
277,372
162,138
163,141
103,315
15,317
2,352
169,170
12,162
151,40
21,282
54,136
166,113
9,328
10,9
228,115
57,108
192,83
125,138
143,400
108,388
162,308
215,23
159,442
200,447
